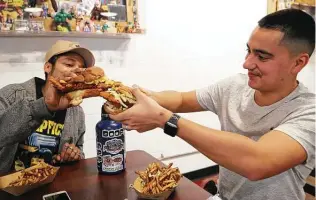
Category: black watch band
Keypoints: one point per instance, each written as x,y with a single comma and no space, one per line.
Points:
171,126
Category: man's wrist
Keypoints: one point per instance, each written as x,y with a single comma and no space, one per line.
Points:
164,116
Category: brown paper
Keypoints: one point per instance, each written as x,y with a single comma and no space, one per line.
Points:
138,188
18,190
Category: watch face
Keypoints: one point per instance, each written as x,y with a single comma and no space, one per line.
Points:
171,124
171,127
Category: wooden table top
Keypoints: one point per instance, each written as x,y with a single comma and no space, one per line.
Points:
83,182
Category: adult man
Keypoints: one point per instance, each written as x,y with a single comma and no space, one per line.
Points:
36,121
266,148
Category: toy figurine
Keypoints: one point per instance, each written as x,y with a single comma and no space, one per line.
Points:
130,27
62,29
25,3
105,27
98,28
60,19
77,26
1,18
73,11
96,11
32,3
86,27
9,19
35,27
45,10
20,13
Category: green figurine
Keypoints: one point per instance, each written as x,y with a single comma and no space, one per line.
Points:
61,20
105,27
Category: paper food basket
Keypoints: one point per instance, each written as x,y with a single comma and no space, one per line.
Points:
137,186
19,190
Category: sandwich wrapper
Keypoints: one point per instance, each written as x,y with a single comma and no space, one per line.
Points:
19,190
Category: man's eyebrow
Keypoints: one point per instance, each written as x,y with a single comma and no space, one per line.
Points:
261,51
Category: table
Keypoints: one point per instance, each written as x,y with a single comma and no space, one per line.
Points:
82,182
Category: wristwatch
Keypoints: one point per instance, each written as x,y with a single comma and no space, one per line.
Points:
171,126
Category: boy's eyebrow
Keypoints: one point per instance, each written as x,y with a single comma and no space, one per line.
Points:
261,51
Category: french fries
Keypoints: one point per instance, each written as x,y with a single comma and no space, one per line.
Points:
157,179
39,173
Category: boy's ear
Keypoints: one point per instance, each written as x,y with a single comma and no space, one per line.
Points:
48,67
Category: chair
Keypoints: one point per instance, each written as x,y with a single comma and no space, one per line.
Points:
309,187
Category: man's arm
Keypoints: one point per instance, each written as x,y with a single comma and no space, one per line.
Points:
17,120
178,102
274,153
82,130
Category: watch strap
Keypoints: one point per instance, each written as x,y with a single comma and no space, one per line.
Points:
171,126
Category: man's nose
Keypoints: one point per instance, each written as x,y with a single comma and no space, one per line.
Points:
78,65
249,63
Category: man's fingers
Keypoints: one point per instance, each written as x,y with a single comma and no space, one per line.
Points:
51,96
75,154
62,155
77,157
70,74
67,78
143,90
65,147
78,70
106,109
64,102
127,127
120,117
72,156
67,155
138,94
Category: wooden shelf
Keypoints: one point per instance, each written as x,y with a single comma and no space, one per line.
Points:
65,34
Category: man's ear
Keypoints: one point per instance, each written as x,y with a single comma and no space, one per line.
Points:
48,67
300,62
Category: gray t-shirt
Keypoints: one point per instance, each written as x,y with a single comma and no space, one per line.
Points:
233,101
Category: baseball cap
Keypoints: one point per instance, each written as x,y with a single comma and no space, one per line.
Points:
64,46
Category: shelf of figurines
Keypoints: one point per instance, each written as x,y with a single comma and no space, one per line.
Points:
71,18
36,28
64,34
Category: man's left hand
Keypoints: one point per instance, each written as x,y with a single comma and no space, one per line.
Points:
145,115
69,153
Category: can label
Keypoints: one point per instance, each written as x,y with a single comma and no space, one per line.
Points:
113,146
111,150
112,163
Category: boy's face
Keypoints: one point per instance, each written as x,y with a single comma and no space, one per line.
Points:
64,63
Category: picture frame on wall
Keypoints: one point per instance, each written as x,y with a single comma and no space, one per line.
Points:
306,5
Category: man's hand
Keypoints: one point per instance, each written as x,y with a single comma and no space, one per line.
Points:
69,153
54,99
145,115
145,91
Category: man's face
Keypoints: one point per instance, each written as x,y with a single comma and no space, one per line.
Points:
268,63
64,63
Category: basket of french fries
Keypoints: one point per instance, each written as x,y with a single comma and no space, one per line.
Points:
156,182
30,178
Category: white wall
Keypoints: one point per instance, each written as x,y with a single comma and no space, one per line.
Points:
187,45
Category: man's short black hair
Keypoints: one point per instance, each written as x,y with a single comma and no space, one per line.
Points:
298,28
